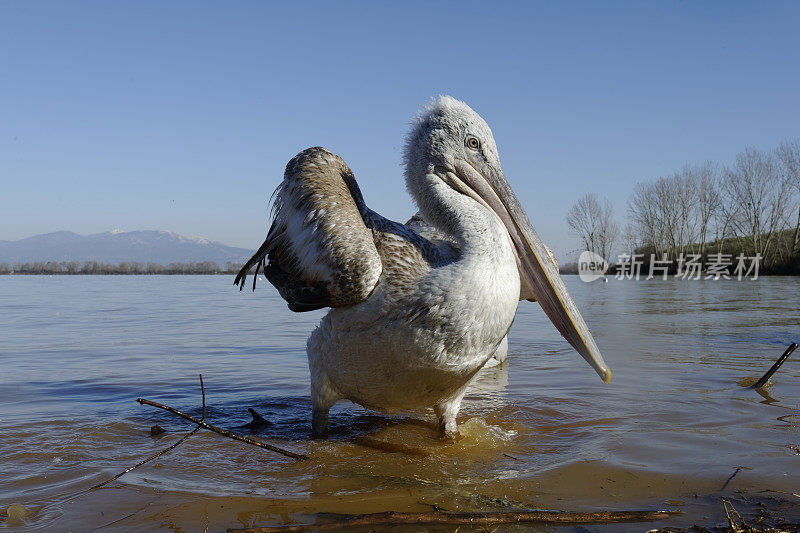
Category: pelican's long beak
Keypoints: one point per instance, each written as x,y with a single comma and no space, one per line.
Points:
536,266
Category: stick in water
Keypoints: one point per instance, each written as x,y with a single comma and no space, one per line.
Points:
765,378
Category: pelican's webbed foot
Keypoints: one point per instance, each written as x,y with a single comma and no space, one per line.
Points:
448,429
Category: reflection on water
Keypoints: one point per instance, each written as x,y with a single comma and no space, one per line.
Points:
540,430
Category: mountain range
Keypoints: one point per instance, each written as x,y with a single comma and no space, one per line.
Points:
117,246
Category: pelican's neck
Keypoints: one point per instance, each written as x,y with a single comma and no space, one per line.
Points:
474,227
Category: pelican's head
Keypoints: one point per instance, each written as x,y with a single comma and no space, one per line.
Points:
450,145
443,132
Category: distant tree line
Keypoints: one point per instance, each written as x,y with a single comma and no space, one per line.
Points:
749,207
127,267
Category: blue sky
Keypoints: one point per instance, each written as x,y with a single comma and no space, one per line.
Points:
182,115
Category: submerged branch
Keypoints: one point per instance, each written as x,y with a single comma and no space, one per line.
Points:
765,378
475,519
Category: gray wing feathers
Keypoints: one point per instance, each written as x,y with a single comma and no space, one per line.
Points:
318,252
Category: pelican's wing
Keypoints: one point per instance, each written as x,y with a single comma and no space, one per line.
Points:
318,252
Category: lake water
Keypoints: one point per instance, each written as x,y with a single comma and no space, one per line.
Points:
539,431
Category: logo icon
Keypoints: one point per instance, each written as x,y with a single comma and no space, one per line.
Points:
591,266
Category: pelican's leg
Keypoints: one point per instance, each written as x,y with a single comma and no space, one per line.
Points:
322,399
319,422
323,395
446,412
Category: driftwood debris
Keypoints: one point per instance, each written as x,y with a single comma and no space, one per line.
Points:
765,378
468,519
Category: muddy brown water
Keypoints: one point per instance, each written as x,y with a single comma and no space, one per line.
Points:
540,431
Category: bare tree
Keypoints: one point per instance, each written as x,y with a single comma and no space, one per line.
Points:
645,221
708,198
593,223
667,212
686,205
608,230
582,219
661,210
755,185
631,238
789,157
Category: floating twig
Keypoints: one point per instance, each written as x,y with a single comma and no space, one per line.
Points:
765,378
201,423
475,519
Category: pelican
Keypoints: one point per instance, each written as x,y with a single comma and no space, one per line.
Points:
415,312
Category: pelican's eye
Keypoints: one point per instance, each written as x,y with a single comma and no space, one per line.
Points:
473,143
